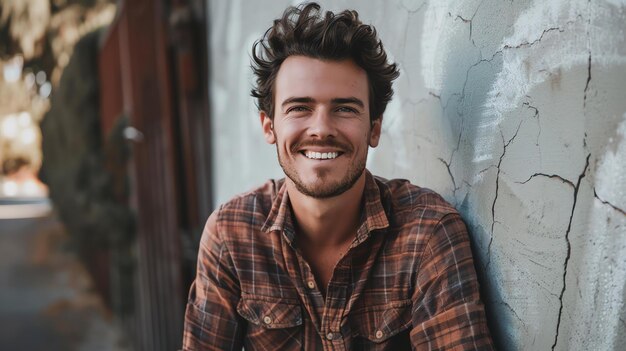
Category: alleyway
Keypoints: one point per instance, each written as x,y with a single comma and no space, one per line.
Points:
46,300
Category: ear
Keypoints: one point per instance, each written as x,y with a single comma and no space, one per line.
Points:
375,131
268,127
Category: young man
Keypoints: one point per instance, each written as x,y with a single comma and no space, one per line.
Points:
331,257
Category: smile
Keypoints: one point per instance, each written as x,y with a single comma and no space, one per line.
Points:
320,155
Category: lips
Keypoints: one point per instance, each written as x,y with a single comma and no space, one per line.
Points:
321,150
321,155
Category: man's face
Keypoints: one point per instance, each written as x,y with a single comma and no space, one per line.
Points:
321,124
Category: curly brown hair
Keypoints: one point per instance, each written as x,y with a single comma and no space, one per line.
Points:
306,31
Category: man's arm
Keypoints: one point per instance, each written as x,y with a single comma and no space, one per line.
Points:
447,311
211,319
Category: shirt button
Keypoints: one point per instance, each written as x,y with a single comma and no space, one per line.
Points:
379,334
267,320
330,336
310,284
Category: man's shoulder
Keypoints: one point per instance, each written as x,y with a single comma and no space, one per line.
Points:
403,197
258,200
242,212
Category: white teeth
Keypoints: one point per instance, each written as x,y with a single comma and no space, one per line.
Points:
321,156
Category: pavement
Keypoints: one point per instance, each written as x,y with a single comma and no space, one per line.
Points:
47,299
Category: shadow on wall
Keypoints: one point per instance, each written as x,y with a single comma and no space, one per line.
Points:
464,125
462,90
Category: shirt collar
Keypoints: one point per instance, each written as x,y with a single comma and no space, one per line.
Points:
279,218
375,217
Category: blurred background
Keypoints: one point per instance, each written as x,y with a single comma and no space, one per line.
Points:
105,185
124,123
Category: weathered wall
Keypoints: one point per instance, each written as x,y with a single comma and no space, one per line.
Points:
516,113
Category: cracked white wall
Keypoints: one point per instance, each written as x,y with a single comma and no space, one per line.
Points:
516,113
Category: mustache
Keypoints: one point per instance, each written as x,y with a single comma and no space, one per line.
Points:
345,148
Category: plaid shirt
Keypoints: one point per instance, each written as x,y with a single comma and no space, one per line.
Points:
407,281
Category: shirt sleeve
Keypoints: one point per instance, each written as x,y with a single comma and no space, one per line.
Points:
447,311
211,319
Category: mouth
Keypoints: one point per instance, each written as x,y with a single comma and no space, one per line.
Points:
314,155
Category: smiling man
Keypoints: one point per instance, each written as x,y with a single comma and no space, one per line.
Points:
331,257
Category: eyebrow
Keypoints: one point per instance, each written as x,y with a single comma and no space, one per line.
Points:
301,100
350,100
335,101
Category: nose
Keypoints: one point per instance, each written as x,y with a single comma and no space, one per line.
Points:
322,125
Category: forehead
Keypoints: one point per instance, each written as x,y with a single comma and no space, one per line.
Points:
322,80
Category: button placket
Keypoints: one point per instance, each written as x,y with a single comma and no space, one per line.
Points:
334,307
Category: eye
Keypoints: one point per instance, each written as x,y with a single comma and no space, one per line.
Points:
298,108
346,109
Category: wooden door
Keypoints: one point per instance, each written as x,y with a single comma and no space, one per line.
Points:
152,70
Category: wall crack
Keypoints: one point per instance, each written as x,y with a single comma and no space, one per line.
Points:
527,44
482,60
418,9
553,176
495,198
589,56
447,164
514,313
531,107
588,80
595,194
486,169
569,251
464,20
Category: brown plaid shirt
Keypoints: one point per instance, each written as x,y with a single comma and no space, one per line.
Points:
407,281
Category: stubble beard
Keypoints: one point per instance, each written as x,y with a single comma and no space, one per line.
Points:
323,189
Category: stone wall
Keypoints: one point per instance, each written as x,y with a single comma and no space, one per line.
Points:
516,113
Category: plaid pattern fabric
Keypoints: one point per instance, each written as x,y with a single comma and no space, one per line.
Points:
407,281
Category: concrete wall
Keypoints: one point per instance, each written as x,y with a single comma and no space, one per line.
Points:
516,113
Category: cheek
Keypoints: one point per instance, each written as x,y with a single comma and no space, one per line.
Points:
286,134
283,143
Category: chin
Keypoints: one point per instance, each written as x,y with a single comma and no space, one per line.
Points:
326,188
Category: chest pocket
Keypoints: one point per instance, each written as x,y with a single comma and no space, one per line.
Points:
382,327
273,324
271,313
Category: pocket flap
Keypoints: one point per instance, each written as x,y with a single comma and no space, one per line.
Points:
270,313
379,323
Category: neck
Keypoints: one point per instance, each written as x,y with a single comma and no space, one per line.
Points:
330,221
